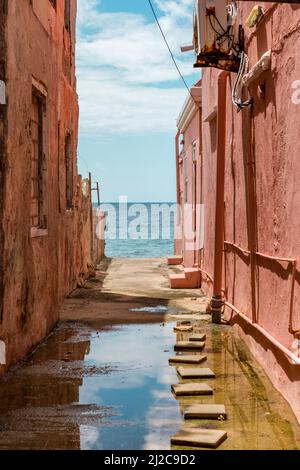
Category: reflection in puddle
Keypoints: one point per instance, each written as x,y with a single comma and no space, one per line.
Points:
110,389
157,309
139,390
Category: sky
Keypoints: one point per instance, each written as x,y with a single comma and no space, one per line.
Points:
130,94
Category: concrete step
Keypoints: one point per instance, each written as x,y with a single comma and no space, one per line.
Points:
191,389
204,411
189,279
198,337
183,328
198,437
195,373
198,345
178,281
188,359
174,260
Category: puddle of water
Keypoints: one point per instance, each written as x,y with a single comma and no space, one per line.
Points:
110,389
157,309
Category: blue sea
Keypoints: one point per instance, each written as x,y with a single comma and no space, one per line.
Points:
139,230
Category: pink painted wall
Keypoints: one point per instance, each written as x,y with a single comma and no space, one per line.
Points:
191,137
269,138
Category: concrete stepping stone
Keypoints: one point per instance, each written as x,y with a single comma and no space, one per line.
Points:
191,389
183,328
195,373
198,437
199,345
198,337
204,411
188,359
183,317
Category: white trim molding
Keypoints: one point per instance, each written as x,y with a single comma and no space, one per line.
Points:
190,107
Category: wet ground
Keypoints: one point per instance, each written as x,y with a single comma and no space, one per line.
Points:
104,383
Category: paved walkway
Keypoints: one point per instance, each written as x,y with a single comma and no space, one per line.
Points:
102,379
123,285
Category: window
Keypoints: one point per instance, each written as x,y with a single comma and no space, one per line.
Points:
195,152
68,15
181,142
69,170
194,189
186,180
38,169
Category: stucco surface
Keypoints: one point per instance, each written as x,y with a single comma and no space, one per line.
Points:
38,272
262,194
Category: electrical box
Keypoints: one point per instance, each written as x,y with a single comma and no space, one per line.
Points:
217,39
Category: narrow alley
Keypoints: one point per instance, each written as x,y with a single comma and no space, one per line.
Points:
149,248
101,379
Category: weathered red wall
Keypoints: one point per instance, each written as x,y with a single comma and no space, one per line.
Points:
189,124
266,138
39,271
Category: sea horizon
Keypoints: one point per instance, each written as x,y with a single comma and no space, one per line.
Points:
138,234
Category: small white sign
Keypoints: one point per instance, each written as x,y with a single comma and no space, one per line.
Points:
2,92
2,353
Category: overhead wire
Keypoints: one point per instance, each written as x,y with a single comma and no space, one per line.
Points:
221,37
169,48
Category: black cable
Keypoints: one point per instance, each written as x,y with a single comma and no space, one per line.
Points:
169,49
226,34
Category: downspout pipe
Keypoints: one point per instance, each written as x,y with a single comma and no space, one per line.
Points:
217,301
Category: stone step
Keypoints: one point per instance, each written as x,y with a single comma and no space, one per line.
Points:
198,437
195,373
198,337
189,345
183,328
188,359
191,389
189,279
204,411
174,260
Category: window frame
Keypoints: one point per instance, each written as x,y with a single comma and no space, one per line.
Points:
40,96
67,15
69,171
186,177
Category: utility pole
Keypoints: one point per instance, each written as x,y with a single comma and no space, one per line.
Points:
92,218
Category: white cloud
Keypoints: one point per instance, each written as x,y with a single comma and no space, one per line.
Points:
126,80
89,436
